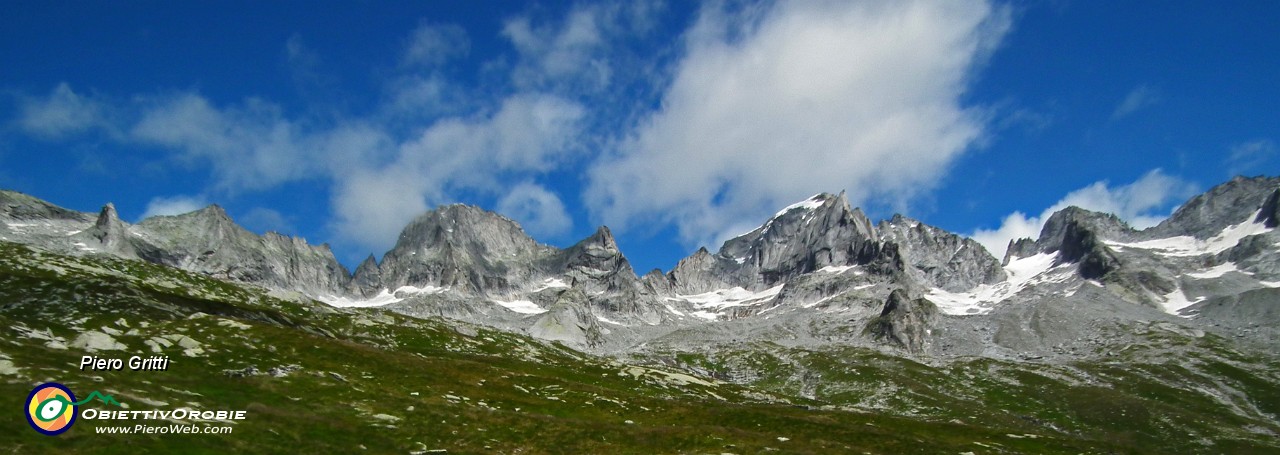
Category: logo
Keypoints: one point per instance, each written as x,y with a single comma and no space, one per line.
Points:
51,408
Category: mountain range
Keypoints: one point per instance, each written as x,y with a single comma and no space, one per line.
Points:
1093,336
805,276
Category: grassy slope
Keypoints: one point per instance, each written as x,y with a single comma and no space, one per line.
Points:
477,390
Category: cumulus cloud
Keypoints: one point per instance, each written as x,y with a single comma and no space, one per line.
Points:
1138,98
576,52
527,134
1140,204
539,211
63,112
770,105
251,146
172,205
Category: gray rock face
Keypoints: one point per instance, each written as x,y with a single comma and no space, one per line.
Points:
905,322
820,232
367,279
1069,225
1019,248
463,248
111,235
570,321
1270,213
1208,214
207,241
21,207
939,258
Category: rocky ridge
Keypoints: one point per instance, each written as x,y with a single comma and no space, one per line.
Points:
816,273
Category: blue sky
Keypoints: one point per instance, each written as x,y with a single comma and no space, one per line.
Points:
678,124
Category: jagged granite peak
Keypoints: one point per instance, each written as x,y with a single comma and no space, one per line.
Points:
818,232
111,234
1019,248
905,322
597,268
462,247
1055,229
596,263
939,258
703,271
367,279
1207,214
1081,244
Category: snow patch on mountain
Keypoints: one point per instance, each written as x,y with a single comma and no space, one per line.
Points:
521,306
832,269
385,297
551,283
1216,272
1187,246
813,202
1177,300
725,298
1022,272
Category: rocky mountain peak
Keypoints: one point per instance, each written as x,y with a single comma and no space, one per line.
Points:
806,236
107,216
462,247
1057,226
603,239
1207,214
1019,248
938,258
109,232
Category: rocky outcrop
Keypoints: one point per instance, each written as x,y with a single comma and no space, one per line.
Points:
905,322
938,258
110,234
570,321
1019,248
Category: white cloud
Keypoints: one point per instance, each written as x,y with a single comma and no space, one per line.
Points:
575,53
1250,155
528,134
173,205
251,146
1139,203
433,44
539,211
770,106
1138,98
62,113
554,54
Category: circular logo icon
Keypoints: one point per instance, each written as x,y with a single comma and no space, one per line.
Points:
51,408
